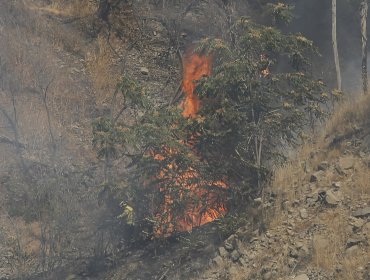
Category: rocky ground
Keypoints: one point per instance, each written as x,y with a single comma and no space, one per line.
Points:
318,208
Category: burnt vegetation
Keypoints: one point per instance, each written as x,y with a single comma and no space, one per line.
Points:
105,149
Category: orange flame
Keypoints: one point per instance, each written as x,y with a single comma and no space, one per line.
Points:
195,67
203,202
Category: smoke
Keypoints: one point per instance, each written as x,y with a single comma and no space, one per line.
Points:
313,19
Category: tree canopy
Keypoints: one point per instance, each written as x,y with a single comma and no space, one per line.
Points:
260,97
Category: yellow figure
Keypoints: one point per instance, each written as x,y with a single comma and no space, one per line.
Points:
128,213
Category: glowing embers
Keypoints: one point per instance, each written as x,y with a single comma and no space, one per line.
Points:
195,67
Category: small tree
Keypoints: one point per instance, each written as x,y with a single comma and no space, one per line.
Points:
259,98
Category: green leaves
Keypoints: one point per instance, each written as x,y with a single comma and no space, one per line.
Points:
258,100
250,108
280,12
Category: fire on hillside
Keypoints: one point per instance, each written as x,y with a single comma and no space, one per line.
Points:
203,200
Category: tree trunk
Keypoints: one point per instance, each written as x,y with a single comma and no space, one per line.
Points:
363,14
335,44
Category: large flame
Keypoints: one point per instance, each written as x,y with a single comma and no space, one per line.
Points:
202,200
195,67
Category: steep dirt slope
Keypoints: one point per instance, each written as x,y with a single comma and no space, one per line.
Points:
318,208
59,66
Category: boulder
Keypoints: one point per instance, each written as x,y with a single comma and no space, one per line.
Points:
235,255
222,251
302,277
303,213
317,176
362,213
144,70
323,166
337,185
230,243
218,261
356,223
347,162
293,252
351,251
333,197
267,275
354,241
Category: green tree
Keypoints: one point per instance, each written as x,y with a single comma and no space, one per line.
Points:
260,96
258,100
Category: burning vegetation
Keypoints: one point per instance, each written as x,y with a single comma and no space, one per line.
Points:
193,163
202,204
195,67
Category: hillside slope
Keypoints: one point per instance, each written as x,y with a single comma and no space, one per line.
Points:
317,208
59,67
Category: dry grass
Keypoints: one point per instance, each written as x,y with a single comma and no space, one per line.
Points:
75,8
361,182
328,255
100,65
354,264
350,114
289,179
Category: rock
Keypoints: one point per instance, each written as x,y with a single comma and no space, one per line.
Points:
217,261
354,241
339,170
230,243
228,246
293,253
323,166
243,261
347,162
243,232
222,251
144,71
258,200
302,277
317,176
254,239
295,203
332,197
292,262
72,277
352,250
356,223
362,213
267,275
337,185
303,213
367,230
306,167
233,270
235,255
304,251
299,245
